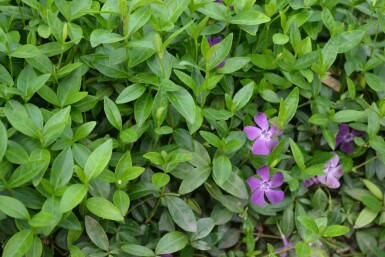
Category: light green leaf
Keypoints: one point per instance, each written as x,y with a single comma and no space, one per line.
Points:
101,36
171,242
98,160
13,207
131,93
62,169
19,243
250,17
55,126
112,113
181,213
104,209
222,169
138,250
183,103
73,195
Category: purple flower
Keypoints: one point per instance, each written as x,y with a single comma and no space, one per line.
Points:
262,135
345,138
219,1
261,187
213,41
333,173
311,181
167,255
283,250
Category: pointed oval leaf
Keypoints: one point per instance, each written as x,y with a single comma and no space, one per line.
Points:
183,103
73,195
181,213
104,209
112,113
96,233
13,207
19,243
171,243
98,160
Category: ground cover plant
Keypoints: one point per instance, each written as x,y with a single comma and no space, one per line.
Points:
192,128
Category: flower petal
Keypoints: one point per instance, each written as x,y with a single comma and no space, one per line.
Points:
275,196
259,147
332,182
261,120
346,147
321,179
356,133
254,183
271,144
344,129
277,180
273,130
221,64
252,132
334,161
337,171
264,173
339,139
214,41
258,197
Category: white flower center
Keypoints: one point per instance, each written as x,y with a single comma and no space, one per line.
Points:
265,135
348,137
265,186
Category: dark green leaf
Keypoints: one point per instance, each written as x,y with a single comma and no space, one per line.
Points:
171,242
96,233
181,213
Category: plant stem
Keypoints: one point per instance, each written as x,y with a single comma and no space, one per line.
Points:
155,207
365,162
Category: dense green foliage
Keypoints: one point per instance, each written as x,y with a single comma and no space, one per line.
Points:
125,128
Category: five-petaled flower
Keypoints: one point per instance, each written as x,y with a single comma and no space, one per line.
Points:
213,41
263,135
333,173
311,181
345,138
260,187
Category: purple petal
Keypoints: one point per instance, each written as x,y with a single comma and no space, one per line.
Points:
344,129
260,148
264,173
258,197
254,183
273,130
337,171
347,147
334,161
277,180
271,144
221,64
252,132
261,120
339,139
321,179
275,196
332,182
279,133
214,41
219,1
311,181
356,133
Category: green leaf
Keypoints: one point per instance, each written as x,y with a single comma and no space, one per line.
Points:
211,138
138,250
309,223
3,140
26,172
251,18
101,36
96,233
297,154
19,243
280,39
62,169
222,169
319,119
160,179
73,195
112,113
83,131
329,52
142,108
375,82
195,178
335,230
25,51
183,103
98,160
19,119
233,64
55,126
121,201
13,207
138,19
218,52
171,243
365,217
242,97
205,226
376,191
78,8
36,249
235,186
302,249
131,93
290,107
348,116
181,213
43,219
5,77
104,209
349,39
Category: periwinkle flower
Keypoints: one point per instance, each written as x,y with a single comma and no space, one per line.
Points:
333,173
213,41
286,245
166,255
263,135
311,181
345,138
264,186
